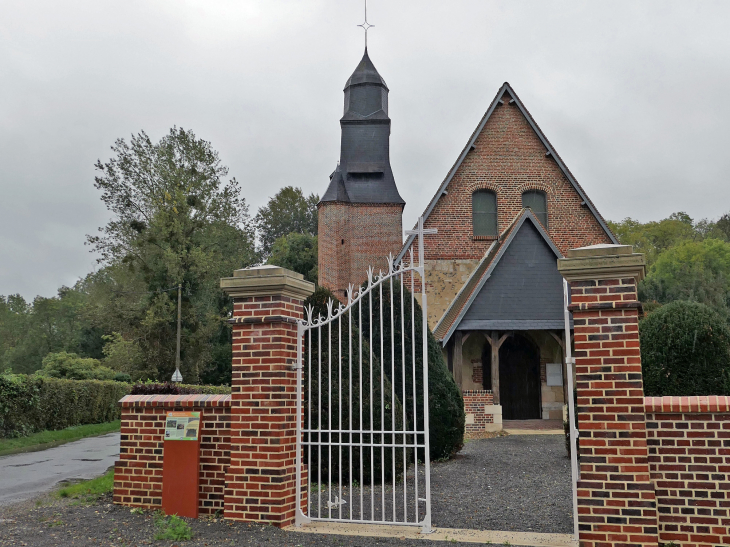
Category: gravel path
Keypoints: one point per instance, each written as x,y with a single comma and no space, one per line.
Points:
513,483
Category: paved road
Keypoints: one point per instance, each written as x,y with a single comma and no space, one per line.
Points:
25,475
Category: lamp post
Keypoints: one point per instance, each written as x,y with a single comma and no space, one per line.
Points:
177,377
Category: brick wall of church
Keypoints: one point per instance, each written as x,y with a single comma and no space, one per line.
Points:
508,159
353,237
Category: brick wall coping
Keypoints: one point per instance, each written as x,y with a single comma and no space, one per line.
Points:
477,392
708,403
171,401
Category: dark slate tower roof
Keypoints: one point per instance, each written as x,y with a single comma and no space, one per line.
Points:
364,174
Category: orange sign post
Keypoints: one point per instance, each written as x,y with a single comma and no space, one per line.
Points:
181,464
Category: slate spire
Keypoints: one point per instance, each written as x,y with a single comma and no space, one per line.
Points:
364,174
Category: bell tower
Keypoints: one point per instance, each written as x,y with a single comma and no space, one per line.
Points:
360,214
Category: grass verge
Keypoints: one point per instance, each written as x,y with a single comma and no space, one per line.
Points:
89,491
47,439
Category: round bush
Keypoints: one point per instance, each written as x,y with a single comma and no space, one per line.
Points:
685,350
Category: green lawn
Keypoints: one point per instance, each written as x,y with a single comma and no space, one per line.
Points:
89,490
46,439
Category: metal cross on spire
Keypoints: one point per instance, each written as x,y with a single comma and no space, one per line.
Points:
365,26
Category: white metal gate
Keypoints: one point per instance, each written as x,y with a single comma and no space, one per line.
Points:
365,433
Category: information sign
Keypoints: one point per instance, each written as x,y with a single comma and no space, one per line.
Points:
182,426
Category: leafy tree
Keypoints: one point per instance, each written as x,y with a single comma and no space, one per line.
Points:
176,221
288,211
698,271
29,331
685,350
125,356
296,252
655,237
72,367
723,225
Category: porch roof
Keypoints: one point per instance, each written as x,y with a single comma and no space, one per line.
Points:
525,291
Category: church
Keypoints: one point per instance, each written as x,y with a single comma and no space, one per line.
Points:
505,212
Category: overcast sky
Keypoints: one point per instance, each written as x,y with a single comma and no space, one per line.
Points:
633,95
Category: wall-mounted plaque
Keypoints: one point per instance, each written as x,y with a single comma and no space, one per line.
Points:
182,426
554,374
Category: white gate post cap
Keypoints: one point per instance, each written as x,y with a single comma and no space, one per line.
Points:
267,281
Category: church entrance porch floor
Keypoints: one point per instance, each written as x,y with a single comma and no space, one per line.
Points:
533,427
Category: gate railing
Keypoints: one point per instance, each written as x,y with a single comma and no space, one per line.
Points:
366,436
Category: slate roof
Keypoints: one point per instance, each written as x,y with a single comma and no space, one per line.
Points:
506,88
365,73
364,174
459,308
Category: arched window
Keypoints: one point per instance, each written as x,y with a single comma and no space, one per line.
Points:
537,201
484,213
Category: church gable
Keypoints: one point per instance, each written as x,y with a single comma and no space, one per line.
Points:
508,155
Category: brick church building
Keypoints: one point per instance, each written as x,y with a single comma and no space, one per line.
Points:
507,209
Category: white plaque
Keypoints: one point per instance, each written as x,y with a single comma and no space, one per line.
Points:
554,374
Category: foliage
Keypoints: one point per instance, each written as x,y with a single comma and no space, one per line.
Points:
89,491
29,331
447,420
289,211
698,271
296,252
174,221
653,238
685,350
169,388
173,528
125,357
73,367
36,403
53,438
334,393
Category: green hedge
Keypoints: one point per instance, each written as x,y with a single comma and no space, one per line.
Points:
33,403
685,350
29,404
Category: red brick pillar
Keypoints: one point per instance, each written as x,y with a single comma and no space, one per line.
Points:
616,501
261,479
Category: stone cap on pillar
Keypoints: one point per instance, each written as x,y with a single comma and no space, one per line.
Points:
602,262
267,281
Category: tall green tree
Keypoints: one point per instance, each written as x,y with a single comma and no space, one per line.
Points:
296,252
176,220
697,271
288,211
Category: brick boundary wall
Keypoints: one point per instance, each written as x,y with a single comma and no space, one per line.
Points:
477,403
689,459
138,471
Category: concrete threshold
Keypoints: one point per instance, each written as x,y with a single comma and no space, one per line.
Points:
527,539
534,431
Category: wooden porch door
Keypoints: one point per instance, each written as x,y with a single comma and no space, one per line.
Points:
519,379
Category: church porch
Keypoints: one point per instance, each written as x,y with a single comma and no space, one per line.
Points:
509,375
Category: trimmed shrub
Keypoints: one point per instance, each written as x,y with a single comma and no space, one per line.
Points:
447,420
333,401
170,388
34,403
685,350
